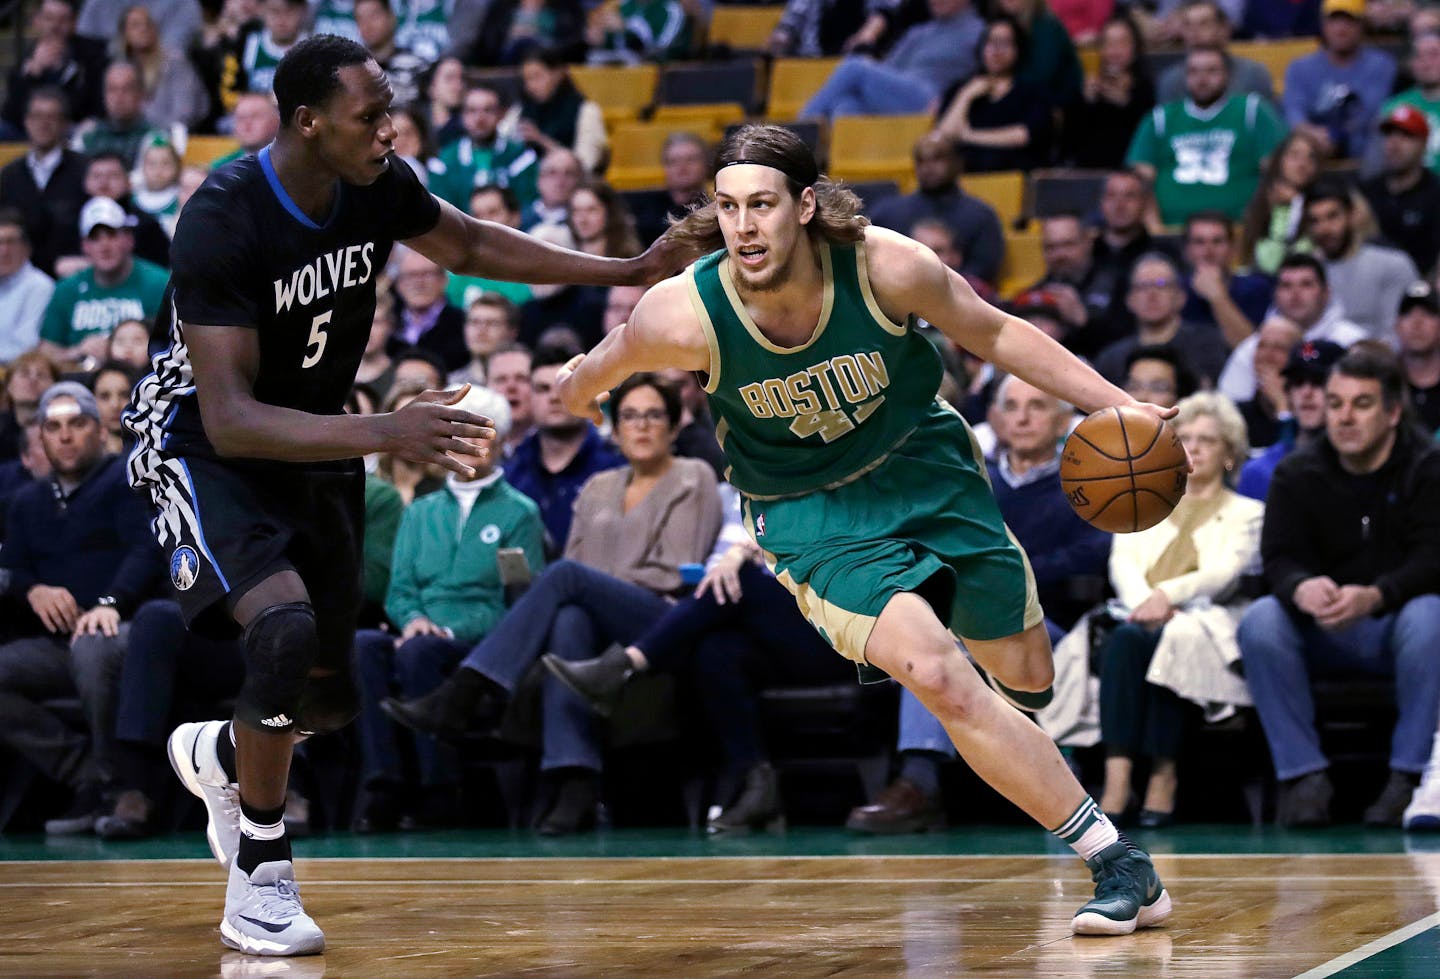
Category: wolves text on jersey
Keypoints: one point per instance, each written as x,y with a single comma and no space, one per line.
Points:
340,269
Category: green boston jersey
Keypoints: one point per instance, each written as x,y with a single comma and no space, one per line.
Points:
1206,159
797,419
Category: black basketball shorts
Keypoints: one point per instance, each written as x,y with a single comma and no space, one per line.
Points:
224,529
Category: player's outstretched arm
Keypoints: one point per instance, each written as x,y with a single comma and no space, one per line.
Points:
907,277
487,250
225,360
663,332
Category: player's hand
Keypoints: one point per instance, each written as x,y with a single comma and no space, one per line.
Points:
1155,611
723,578
1164,414
101,621
421,626
1314,595
666,257
429,431
56,607
570,395
1351,604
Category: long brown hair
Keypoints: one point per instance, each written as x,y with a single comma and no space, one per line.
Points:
837,210
621,241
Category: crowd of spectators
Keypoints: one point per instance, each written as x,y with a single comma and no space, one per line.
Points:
1261,252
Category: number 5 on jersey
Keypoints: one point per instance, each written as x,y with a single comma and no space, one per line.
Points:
317,340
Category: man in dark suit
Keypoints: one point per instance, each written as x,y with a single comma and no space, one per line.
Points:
425,319
47,184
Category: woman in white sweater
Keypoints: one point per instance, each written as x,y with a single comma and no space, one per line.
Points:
1177,581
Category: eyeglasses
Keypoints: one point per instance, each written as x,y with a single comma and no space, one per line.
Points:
651,416
1153,284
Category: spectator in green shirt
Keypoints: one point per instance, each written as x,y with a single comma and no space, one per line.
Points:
123,129
483,157
1205,152
116,287
447,590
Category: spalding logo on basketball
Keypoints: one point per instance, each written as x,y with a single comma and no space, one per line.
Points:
1123,470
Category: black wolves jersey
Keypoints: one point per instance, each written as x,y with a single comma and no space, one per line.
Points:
245,256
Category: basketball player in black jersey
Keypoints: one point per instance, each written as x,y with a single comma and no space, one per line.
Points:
251,464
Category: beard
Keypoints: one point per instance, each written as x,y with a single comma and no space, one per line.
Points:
766,280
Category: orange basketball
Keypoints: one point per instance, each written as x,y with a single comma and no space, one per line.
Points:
1123,470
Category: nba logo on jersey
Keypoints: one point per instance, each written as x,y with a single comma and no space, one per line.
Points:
760,525
184,566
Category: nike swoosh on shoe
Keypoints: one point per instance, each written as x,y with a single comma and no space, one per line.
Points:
269,926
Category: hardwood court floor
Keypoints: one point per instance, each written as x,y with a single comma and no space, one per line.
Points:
1237,915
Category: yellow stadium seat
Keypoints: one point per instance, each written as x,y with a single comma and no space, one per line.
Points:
635,153
201,151
1024,262
1005,192
12,151
1275,55
707,115
876,147
744,27
793,81
622,92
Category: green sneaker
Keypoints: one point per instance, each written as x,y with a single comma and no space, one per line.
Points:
1128,893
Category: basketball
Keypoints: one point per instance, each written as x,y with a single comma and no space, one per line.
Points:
1123,470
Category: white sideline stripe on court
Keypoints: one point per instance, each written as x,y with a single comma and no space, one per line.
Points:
659,882
1373,948
1068,856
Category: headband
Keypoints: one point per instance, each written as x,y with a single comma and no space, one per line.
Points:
761,163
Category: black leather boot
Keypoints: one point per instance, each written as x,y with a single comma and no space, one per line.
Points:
577,801
757,807
597,681
450,709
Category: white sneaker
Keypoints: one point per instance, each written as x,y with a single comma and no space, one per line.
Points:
263,913
1423,812
192,754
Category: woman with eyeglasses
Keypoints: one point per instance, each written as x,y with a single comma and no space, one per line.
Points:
634,528
1178,585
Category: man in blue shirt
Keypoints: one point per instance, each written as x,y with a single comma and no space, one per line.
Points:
78,552
555,460
1335,94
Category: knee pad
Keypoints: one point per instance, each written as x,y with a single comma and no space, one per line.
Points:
327,704
280,648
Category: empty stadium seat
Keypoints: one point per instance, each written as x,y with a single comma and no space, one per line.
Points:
201,151
635,153
743,27
876,147
1004,191
1024,262
621,91
1275,55
793,81
701,115
693,83
1065,191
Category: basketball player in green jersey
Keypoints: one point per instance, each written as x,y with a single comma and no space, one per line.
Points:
867,494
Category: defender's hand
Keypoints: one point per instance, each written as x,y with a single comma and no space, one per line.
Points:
428,430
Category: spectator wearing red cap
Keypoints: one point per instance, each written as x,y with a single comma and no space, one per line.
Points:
1425,95
1406,196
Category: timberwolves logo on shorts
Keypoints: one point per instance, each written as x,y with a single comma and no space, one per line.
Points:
184,567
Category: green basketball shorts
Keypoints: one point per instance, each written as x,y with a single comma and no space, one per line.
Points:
925,510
